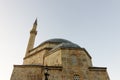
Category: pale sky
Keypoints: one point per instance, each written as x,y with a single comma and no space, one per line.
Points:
92,24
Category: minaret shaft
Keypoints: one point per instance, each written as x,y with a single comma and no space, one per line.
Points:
31,41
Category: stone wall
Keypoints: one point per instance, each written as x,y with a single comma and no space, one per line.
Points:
26,72
36,55
75,58
36,58
55,75
63,64
98,73
53,59
75,62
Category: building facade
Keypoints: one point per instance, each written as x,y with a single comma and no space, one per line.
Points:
63,60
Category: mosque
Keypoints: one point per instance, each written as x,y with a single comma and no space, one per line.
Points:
57,59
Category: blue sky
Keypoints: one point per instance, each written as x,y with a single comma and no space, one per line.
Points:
92,24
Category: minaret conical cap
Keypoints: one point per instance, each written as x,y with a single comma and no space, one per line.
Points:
35,22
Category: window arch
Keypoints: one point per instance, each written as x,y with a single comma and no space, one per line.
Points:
76,77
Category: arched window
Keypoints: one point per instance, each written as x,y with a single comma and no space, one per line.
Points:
76,77
74,60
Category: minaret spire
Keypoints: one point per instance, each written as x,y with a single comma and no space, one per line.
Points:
34,27
33,34
35,21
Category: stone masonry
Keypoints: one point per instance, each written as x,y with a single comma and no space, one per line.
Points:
64,60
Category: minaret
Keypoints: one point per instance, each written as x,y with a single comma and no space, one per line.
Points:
33,33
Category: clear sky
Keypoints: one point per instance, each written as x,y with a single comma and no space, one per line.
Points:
92,24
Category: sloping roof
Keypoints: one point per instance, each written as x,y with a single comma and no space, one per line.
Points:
68,45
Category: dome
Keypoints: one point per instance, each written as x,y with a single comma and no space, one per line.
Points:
57,40
63,43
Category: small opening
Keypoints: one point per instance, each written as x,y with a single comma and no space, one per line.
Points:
76,77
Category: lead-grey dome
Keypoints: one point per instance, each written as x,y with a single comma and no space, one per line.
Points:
62,43
57,40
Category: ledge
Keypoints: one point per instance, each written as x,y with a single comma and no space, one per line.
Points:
30,65
41,66
31,54
97,68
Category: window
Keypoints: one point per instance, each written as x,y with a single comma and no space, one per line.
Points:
76,77
74,60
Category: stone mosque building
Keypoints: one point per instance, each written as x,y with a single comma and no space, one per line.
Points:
57,59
